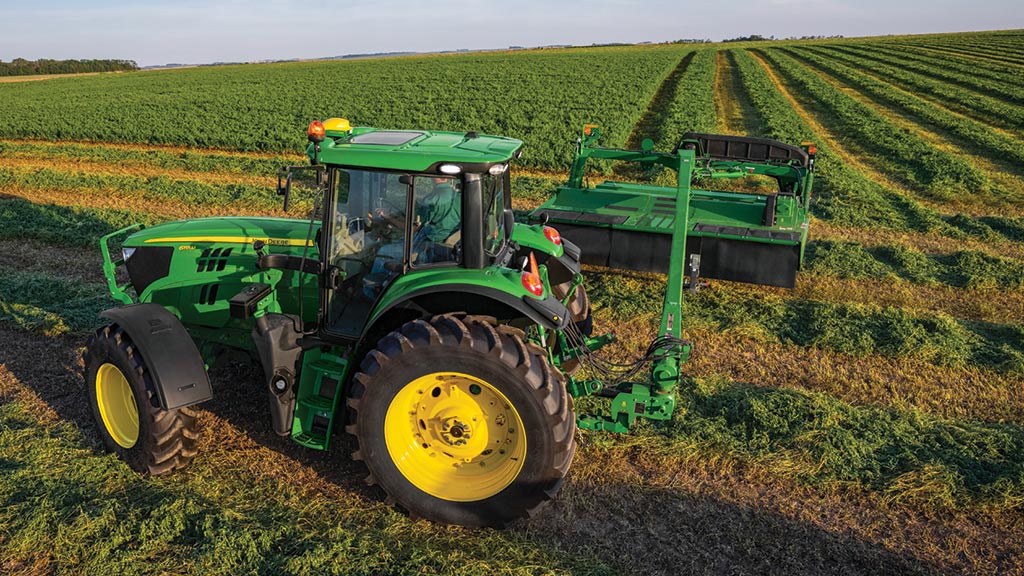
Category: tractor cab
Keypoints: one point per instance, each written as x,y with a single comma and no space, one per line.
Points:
417,205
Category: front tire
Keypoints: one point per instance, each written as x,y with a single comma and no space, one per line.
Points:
462,422
151,440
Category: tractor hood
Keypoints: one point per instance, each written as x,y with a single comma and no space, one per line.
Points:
225,230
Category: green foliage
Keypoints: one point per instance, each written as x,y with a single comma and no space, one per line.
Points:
541,97
937,173
51,305
65,507
980,106
908,456
63,225
22,67
964,269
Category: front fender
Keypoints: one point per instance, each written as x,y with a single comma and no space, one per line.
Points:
173,361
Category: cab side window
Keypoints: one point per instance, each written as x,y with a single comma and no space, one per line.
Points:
437,223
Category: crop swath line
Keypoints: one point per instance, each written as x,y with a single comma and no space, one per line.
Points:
1000,142
943,175
183,159
987,110
61,147
185,193
969,393
930,243
844,327
975,88
931,172
101,200
1011,71
985,75
25,162
851,193
653,117
1005,194
735,111
980,55
843,193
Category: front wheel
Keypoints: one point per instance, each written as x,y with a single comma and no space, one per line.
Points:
151,440
462,422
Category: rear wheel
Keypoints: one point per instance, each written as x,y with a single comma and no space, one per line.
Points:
151,440
462,422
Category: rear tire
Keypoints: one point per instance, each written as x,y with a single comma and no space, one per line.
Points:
151,440
462,422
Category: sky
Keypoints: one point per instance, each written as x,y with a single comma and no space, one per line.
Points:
158,32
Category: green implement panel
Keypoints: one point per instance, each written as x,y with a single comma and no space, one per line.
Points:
746,237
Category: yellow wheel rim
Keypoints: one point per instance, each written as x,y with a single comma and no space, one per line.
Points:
455,437
117,405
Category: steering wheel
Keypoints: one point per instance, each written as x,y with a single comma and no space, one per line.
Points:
356,225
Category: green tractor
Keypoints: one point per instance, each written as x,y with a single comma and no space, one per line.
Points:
409,309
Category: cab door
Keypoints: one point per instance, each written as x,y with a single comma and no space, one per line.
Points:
366,248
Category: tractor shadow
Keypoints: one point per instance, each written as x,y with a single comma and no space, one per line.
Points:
603,516
240,398
664,531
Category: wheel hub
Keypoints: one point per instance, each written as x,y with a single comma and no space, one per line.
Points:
449,434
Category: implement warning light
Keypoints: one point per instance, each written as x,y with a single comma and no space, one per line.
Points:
588,129
812,148
531,280
316,131
553,235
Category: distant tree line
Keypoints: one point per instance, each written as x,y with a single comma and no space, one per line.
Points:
22,67
759,38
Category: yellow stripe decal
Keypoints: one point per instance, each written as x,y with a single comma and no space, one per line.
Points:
231,240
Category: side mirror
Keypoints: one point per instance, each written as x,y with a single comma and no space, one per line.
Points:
284,189
509,221
284,180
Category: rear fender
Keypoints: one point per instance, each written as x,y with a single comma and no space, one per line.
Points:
472,299
532,238
177,368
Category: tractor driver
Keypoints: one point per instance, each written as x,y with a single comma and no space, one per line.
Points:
439,220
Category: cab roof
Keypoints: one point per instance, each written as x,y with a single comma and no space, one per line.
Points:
414,150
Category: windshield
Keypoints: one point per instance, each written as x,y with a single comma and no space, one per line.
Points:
493,188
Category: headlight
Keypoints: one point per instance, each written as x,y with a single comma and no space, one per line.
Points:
126,252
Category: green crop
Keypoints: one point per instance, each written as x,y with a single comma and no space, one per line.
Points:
978,106
541,97
937,173
997,145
